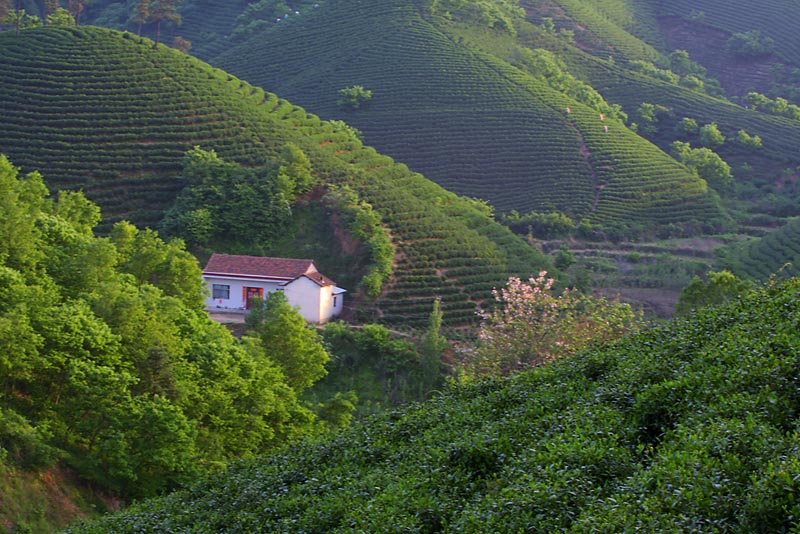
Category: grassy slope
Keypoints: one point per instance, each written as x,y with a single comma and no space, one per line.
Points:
471,122
688,427
773,18
762,257
98,110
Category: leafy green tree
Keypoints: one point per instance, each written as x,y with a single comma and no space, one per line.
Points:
142,14
755,100
288,340
20,202
752,142
353,97
294,171
131,384
167,266
432,347
719,288
225,205
688,125
750,44
710,136
160,11
708,165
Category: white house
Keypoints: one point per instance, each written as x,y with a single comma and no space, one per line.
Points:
235,280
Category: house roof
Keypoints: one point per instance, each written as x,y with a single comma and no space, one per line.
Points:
259,267
318,278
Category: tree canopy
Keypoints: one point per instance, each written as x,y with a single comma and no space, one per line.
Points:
109,362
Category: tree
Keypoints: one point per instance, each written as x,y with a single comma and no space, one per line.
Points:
531,325
721,287
294,171
708,165
75,8
163,10
432,347
688,125
288,340
179,43
166,265
5,10
142,14
60,17
752,142
710,136
750,44
352,97
755,100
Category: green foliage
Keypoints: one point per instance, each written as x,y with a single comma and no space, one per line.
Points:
432,348
531,325
720,287
710,136
688,125
354,96
499,14
288,340
60,17
365,224
691,426
775,254
750,44
541,225
706,163
752,142
382,368
227,206
107,361
546,65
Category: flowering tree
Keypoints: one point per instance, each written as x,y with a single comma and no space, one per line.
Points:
531,325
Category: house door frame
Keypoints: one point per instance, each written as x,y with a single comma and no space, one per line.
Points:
250,293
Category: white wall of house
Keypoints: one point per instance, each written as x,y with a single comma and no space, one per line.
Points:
310,297
316,304
338,301
236,291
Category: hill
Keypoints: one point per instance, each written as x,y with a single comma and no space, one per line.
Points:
772,18
465,118
760,258
688,427
102,111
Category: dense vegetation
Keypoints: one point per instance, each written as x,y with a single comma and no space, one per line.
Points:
87,124
689,427
110,364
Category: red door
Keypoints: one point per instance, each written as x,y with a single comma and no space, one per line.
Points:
251,293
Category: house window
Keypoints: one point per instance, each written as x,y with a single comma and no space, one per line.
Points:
220,291
334,301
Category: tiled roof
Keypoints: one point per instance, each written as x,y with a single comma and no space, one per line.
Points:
226,264
320,279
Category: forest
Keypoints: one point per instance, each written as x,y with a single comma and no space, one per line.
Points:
568,230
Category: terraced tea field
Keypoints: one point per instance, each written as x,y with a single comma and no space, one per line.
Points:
470,122
99,110
774,18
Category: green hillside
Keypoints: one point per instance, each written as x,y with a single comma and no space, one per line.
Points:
691,427
472,123
760,258
774,18
624,29
102,111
